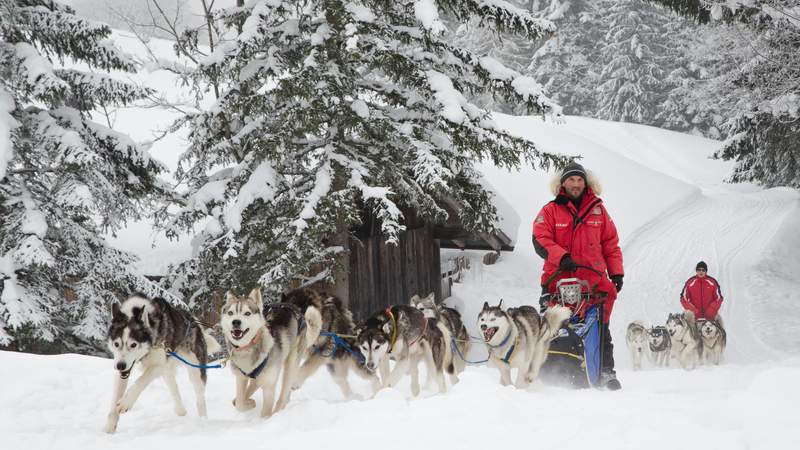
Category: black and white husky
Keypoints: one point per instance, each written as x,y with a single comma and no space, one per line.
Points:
340,353
637,340
451,319
263,342
686,345
519,339
144,331
404,334
660,345
713,337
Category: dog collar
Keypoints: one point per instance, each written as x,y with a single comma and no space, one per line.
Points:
249,344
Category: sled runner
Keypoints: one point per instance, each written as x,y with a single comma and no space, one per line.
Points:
575,354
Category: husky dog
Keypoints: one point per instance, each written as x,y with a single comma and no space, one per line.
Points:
145,331
404,334
660,345
636,338
451,319
519,339
713,337
262,342
686,346
341,356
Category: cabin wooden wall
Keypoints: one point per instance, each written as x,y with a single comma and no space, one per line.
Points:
382,274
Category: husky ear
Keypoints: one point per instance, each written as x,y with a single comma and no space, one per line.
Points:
431,297
414,300
230,297
116,312
500,305
255,294
485,306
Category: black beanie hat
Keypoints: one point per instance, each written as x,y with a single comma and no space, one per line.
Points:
573,169
701,265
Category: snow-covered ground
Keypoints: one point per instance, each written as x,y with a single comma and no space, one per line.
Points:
672,209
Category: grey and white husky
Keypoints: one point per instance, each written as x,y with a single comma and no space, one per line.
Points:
713,337
263,342
660,345
637,339
519,339
144,331
686,345
451,319
341,356
404,334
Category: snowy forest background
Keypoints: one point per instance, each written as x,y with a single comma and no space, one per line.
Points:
728,70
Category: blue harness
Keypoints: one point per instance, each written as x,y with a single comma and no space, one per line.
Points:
338,342
257,371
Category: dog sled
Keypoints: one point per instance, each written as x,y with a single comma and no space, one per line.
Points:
575,354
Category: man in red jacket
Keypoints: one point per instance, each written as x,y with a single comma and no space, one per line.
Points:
575,230
701,294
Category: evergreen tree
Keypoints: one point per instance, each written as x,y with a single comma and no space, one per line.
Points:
65,180
332,107
765,132
621,60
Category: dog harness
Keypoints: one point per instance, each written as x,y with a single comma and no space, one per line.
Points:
394,328
257,371
510,352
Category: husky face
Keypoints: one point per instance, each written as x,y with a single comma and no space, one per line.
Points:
676,325
657,338
427,305
130,337
493,323
374,345
242,317
708,329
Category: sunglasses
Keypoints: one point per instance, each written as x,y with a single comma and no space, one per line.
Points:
701,270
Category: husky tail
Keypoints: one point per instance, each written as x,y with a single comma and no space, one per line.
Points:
313,319
212,346
553,318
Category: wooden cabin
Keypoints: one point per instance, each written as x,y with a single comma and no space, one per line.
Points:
381,274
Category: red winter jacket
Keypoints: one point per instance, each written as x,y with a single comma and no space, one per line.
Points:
702,296
588,234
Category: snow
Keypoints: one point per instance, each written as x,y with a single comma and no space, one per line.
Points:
428,15
7,123
668,201
260,185
450,99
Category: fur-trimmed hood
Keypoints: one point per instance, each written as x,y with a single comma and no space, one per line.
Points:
591,182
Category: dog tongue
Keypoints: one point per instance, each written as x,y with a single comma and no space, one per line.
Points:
237,333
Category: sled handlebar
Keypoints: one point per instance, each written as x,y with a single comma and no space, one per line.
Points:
578,266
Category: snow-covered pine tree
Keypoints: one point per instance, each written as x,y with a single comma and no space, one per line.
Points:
65,180
334,106
620,60
764,137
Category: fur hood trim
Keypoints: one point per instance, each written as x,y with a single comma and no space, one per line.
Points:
591,182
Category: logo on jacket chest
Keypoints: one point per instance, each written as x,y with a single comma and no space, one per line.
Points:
561,225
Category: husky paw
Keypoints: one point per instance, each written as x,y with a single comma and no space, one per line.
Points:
266,413
124,405
180,411
246,405
110,427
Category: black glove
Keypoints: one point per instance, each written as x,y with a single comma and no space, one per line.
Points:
567,264
617,280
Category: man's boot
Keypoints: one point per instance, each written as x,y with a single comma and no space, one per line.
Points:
608,376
